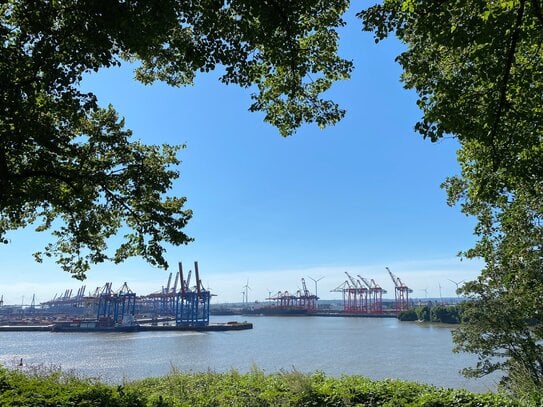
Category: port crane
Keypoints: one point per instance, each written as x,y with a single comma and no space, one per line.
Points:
116,308
359,295
375,295
401,292
351,290
303,299
306,299
192,305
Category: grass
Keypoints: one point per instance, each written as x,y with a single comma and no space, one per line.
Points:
52,387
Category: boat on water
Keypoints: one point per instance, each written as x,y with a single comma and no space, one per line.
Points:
229,326
95,326
71,327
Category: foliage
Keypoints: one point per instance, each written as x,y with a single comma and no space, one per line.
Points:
445,314
54,388
449,314
423,313
408,315
68,166
477,68
232,388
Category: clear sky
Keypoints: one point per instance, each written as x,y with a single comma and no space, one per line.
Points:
268,210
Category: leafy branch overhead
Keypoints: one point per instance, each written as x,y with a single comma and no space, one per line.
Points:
69,166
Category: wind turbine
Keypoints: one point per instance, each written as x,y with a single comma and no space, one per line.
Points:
246,288
315,281
316,293
456,283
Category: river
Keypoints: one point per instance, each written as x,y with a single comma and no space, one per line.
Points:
374,347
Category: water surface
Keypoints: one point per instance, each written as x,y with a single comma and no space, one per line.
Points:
373,347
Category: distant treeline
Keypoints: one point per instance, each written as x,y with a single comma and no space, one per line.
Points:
448,314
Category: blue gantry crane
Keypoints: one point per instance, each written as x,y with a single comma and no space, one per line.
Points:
192,304
116,308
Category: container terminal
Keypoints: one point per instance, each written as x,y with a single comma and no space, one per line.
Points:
182,306
186,308
361,297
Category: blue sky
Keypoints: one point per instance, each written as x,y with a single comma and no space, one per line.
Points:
270,210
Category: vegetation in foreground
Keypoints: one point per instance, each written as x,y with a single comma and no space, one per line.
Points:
56,388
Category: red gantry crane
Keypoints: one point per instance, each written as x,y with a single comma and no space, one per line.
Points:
401,292
303,300
375,295
308,300
359,294
344,288
355,296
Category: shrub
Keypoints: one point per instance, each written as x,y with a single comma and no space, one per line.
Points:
233,389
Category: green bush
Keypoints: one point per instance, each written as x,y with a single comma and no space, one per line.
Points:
445,314
54,388
423,313
409,315
448,314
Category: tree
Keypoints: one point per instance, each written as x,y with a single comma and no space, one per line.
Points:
477,69
68,166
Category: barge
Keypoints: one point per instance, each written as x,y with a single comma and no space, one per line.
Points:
70,327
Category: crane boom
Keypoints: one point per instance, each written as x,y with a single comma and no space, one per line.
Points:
395,279
353,281
377,286
188,280
181,278
125,289
175,283
365,281
106,289
169,283
198,282
306,291
340,287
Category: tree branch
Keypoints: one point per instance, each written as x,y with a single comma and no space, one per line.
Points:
122,203
537,11
510,59
47,174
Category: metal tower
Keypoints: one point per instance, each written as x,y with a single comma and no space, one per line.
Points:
401,292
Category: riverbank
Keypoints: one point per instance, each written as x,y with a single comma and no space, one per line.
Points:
55,388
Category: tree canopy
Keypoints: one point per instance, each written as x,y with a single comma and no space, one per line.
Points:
477,69
69,166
